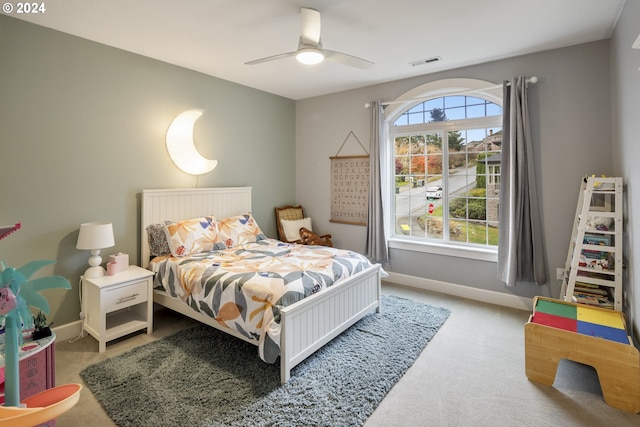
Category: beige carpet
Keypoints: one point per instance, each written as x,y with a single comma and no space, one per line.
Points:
470,374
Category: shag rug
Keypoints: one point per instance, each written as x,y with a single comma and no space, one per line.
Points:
203,377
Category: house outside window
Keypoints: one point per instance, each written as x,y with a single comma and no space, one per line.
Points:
446,171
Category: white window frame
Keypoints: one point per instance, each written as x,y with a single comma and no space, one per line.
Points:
441,88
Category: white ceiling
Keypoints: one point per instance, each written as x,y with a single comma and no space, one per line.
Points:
217,37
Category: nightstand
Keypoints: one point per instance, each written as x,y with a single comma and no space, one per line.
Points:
115,306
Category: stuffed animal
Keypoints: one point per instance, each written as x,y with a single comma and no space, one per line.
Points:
600,223
308,237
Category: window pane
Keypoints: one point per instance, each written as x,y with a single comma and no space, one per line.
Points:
418,144
456,140
416,118
474,111
471,100
493,109
477,232
458,230
474,137
433,103
456,113
402,121
454,101
433,227
434,164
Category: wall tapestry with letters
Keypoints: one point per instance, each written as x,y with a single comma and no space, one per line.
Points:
350,187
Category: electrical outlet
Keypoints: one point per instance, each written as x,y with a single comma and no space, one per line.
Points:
559,273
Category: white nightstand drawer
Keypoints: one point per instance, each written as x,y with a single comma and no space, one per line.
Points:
125,296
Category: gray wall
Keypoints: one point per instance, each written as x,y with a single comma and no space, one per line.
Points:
625,90
82,129
571,126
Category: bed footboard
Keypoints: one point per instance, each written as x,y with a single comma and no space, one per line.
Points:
316,320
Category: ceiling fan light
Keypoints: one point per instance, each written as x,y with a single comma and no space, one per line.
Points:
310,56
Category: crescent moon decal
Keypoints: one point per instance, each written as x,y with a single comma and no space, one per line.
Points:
181,147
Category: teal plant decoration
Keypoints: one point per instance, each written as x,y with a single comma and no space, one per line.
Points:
17,293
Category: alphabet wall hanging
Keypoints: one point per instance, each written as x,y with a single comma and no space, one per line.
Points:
350,186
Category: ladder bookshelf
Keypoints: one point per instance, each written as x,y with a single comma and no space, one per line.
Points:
593,270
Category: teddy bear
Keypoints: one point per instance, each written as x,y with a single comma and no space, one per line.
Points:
308,237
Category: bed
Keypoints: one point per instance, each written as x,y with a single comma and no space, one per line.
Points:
303,326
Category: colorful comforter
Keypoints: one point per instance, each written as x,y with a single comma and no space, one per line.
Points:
244,288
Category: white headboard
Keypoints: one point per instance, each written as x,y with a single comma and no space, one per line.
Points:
185,203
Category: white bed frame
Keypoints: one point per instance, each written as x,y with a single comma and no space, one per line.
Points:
306,325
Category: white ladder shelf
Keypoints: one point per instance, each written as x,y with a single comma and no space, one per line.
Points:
593,270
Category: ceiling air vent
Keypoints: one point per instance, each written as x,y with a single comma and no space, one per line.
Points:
425,61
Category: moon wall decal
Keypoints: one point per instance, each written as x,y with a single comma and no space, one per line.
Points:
181,147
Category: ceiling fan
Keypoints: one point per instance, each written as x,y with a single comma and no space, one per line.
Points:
310,50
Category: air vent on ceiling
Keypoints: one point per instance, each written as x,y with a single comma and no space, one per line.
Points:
425,61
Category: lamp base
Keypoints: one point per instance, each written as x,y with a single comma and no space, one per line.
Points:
93,272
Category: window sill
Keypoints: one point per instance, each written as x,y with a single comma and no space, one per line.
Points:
480,254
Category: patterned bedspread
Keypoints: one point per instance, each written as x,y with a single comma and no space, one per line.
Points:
243,288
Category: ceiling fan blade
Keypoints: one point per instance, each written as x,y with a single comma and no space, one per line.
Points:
350,60
310,32
271,58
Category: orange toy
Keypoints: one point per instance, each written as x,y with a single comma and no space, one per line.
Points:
41,407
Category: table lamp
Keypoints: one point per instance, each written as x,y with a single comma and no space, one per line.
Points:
94,236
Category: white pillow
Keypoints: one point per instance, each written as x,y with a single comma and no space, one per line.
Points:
291,228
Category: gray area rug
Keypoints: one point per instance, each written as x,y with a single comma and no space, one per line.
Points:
203,377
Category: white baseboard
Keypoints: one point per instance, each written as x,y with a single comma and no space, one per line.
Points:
483,295
68,331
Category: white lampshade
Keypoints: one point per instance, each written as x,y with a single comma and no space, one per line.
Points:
94,236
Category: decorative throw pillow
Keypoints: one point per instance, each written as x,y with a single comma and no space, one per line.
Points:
291,228
239,230
158,244
191,236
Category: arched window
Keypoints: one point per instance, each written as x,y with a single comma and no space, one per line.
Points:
445,154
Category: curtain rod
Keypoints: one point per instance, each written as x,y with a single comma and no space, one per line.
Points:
533,79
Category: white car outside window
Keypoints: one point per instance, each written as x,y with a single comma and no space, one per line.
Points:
434,192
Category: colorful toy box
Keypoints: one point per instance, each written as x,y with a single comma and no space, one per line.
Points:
584,334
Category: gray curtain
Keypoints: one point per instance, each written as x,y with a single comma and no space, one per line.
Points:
520,250
376,244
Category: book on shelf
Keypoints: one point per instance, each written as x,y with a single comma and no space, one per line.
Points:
592,300
596,275
587,256
591,289
590,239
591,294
